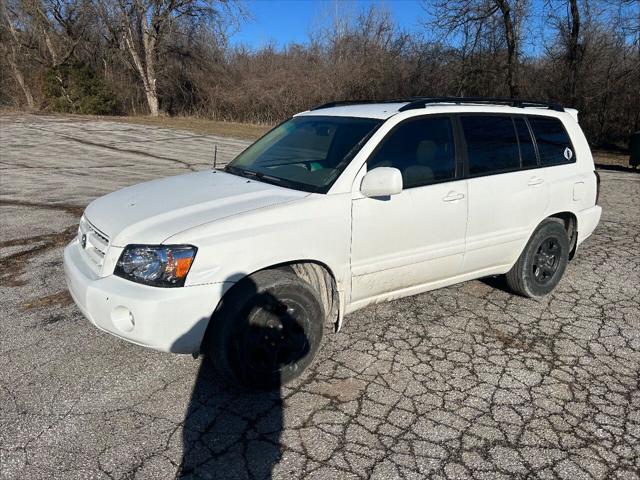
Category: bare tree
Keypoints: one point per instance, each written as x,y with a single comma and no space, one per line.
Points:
45,31
12,50
143,24
134,56
473,18
568,47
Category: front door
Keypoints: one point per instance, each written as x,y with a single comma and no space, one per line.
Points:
417,237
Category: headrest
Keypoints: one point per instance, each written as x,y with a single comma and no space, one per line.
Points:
426,152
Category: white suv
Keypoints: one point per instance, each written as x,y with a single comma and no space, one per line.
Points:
345,205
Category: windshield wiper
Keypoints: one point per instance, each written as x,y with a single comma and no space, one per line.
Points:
243,172
237,171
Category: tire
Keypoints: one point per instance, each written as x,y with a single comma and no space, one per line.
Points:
543,261
266,331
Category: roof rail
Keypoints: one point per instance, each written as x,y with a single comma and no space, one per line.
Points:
512,102
341,103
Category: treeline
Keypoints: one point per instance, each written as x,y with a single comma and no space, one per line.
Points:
173,57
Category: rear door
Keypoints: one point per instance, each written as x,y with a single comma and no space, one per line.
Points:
508,193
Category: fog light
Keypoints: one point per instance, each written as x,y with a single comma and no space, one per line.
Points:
123,319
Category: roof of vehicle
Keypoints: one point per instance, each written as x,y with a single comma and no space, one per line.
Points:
368,110
386,109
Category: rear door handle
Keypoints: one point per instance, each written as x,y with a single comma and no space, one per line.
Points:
534,181
453,197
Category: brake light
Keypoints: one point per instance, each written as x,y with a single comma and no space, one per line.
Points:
597,186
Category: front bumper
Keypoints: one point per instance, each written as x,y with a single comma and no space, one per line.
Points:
166,319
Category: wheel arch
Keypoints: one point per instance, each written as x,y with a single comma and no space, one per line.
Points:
519,280
319,275
570,223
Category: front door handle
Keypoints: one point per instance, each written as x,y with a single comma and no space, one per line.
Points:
535,181
453,197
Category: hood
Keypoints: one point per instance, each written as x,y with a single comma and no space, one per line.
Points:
151,212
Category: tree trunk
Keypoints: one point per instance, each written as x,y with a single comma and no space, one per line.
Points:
512,48
12,53
23,85
146,71
573,53
152,101
149,44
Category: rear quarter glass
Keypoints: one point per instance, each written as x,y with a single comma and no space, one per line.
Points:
554,143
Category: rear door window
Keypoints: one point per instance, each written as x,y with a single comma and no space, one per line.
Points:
492,146
554,145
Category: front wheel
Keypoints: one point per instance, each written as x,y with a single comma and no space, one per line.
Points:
543,261
266,332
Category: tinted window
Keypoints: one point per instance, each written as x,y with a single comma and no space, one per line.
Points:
491,144
553,141
422,149
527,150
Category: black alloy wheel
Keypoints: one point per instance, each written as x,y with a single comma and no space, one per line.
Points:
547,260
542,262
266,331
274,338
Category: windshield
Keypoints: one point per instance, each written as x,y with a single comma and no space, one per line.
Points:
305,153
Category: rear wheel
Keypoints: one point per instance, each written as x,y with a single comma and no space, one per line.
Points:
543,261
266,332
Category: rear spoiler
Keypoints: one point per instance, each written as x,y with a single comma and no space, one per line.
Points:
573,112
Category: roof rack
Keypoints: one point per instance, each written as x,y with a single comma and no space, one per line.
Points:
512,102
413,103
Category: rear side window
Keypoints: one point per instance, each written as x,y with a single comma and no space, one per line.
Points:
492,146
554,145
422,149
527,150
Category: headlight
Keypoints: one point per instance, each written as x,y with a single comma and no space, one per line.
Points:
157,265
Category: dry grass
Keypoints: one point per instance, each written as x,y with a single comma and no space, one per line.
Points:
245,131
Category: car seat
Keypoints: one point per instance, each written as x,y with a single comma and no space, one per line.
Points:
421,172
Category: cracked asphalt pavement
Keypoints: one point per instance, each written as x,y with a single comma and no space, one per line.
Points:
463,382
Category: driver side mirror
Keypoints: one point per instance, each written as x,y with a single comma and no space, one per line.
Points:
381,182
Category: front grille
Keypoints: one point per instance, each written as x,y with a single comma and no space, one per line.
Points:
93,241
